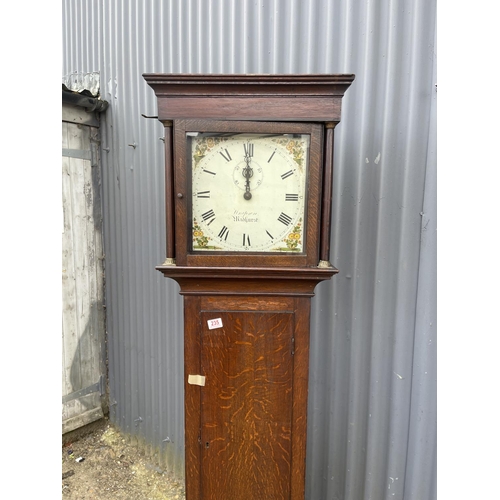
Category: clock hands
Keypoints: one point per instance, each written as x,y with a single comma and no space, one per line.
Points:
248,171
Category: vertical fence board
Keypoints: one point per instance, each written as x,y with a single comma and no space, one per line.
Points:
83,280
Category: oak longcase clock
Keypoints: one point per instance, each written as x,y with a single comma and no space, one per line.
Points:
248,176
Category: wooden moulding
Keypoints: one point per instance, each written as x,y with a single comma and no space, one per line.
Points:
241,84
250,97
245,281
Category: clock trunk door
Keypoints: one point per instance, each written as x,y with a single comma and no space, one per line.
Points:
246,405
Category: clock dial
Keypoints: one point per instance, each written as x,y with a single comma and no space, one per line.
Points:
248,192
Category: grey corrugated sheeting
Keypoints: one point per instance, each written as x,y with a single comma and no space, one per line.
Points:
372,421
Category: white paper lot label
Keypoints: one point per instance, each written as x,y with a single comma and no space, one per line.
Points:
214,323
196,380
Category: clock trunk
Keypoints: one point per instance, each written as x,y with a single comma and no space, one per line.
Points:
246,427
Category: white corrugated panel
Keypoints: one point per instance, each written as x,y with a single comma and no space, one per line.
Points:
372,414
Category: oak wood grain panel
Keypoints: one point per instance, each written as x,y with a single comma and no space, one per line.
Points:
192,396
232,259
246,406
244,287
247,303
275,108
314,188
181,193
300,393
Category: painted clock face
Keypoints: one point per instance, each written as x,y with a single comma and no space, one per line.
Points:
248,192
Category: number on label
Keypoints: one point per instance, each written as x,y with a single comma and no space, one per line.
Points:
214,323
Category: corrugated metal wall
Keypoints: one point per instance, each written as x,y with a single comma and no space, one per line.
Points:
372,421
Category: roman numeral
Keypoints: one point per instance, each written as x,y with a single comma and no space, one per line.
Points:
246,240
248,149
228,157
223,233
208,216
271,157
291,197
209,172
203,194
287,174
269,234
285,219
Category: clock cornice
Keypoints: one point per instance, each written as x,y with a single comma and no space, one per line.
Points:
315,97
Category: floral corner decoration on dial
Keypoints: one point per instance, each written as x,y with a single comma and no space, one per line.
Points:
204,146
295,148
292,241
199,239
